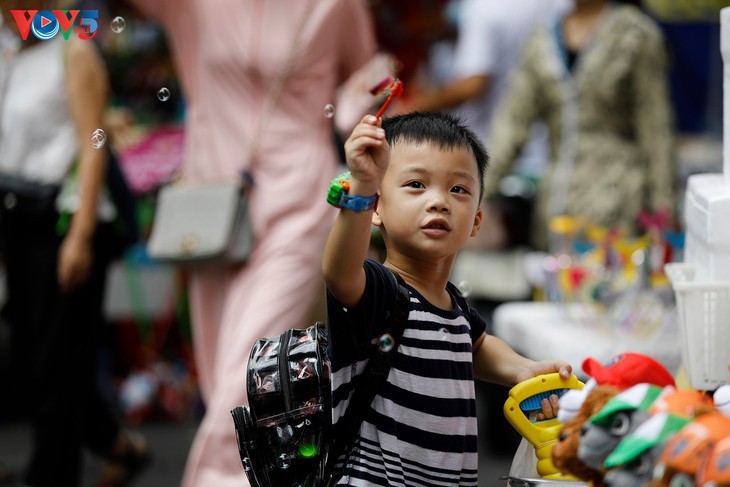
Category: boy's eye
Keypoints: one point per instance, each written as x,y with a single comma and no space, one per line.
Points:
415,184
459,189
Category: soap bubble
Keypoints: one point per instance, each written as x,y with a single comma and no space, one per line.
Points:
246,464
329,110
118,25
283,461
163,94
443,333
10,201
385,343
98,139
464,288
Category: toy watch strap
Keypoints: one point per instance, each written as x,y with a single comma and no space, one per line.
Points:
374,376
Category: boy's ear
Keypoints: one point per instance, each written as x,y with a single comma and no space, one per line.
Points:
375,219
477,221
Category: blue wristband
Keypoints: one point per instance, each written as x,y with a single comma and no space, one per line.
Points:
358,203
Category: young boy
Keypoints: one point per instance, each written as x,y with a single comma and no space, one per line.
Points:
425,174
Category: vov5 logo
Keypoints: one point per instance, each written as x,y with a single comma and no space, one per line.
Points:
45,24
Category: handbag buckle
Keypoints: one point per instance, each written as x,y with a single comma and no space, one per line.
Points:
189,243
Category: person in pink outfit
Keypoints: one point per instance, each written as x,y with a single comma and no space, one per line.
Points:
229,55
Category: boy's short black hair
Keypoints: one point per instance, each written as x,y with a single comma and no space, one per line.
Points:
441,130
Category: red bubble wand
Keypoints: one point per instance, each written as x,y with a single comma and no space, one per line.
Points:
394,85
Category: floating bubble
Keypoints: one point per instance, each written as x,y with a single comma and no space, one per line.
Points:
443,333
163,94
564,261
329,110
118,25
10,201
464,288
283,461
550,264
385,343
246,464
98,139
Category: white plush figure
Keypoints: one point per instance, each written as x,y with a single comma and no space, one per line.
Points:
571,401
721,397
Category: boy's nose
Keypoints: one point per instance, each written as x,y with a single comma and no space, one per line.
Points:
439,207
439,203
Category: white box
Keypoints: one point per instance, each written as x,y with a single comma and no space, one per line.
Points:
707,215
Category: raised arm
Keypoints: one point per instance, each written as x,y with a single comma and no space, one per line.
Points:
367,157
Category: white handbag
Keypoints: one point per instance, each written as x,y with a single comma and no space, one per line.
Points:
200,224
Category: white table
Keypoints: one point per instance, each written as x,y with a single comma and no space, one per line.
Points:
573,332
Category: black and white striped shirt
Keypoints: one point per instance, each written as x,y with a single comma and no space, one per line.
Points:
421,428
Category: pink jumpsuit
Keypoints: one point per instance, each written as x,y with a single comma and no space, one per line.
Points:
228,54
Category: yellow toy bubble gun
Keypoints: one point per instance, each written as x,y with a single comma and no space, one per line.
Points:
524,403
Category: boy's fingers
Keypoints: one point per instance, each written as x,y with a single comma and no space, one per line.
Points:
550,406
566,370
362,143
554,403
369,119
369,131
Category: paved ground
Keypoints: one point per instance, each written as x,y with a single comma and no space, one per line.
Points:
170,442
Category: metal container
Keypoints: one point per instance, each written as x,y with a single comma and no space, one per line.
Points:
538,482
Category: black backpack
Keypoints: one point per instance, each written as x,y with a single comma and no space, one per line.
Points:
285,435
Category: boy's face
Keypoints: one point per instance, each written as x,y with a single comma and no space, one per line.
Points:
429,200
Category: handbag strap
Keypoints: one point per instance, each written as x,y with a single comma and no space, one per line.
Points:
271,100
273,96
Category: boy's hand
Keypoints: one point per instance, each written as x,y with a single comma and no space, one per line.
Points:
549,406
367,152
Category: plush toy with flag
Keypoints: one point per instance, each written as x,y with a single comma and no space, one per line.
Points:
632,462
619,417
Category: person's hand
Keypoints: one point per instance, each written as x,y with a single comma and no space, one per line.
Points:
74,262
533,369
367,152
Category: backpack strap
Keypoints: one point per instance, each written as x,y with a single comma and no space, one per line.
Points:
460,299
376,372
396,321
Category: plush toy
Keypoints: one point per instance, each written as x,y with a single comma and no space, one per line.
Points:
621,372
632,462
620,416
687,403
628,369
716,471
565,451
687,454
721,398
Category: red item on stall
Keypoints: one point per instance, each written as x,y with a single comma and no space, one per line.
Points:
628,369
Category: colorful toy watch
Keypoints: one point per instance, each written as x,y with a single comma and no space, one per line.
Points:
338,196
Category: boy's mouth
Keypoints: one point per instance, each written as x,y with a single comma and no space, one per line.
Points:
437,224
